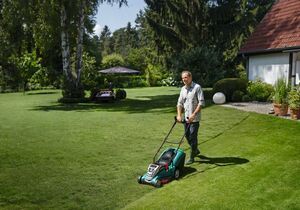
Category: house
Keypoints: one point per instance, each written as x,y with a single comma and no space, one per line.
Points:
273,49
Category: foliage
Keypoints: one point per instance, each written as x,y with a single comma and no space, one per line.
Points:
246,98
208,93
39,79
229,85
139,58
70,90
124,81
154,74
203,62
294,98
237,96
121,94
112,60
27,65
281,90
124,39
89,73
29,26
224,25
259,91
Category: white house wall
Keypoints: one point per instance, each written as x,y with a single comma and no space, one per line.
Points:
269,68
296,67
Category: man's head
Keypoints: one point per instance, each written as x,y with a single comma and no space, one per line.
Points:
186,77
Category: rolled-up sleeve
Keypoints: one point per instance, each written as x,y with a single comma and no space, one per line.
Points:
180,101
200,96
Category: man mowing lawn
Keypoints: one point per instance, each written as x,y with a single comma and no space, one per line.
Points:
190,101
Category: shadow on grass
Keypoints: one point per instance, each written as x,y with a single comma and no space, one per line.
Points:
145,104
188,170
221,161
41,93
214,162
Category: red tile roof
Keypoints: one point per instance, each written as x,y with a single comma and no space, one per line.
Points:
278,30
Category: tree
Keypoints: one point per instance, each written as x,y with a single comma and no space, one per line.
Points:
222,25
105,41
35,25
75,12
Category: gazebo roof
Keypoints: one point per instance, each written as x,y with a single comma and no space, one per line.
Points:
279,29
119,70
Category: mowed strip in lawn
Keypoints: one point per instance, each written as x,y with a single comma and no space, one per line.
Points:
88,156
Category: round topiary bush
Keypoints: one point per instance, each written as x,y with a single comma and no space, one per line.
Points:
229,85
120,94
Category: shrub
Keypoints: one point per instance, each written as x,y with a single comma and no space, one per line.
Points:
246,98
121,94
208,93
229,85
259,91
70,90
126,81
112,60
294,98
237,96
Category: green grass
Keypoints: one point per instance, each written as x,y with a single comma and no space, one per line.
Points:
88,156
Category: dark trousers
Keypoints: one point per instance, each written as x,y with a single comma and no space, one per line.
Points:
191,134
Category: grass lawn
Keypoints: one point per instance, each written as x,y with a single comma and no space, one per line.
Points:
88,156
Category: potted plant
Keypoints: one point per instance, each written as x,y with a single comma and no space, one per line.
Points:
294,103
280,97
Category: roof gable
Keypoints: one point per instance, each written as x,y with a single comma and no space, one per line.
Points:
278,30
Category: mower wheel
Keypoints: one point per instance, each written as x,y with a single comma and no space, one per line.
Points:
158,184
139,179
177,173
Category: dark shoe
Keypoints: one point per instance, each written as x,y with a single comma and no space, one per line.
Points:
190,161
197,153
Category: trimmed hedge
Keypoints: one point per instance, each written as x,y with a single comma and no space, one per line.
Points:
208,93
229,85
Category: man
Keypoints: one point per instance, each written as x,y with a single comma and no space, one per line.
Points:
190,101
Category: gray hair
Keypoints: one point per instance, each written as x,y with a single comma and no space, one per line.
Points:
186,72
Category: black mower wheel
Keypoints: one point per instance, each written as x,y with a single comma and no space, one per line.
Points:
139,179
177,173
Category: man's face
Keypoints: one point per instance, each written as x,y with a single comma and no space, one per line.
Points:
186,79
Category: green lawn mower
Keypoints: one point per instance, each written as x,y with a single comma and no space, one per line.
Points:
168,166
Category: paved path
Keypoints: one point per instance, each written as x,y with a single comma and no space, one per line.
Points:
258,107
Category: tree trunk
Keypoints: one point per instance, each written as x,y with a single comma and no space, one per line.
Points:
79,42
65,44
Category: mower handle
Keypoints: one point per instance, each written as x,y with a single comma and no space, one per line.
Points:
182,121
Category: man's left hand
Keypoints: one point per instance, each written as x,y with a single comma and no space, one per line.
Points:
191,118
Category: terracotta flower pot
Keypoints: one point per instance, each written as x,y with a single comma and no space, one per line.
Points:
280,109
295,114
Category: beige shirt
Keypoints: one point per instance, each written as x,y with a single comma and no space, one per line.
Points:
189,99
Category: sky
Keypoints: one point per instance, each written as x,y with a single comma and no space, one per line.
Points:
115,17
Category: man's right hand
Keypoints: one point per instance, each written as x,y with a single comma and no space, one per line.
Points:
179,118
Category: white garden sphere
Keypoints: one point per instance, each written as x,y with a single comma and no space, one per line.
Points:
219,98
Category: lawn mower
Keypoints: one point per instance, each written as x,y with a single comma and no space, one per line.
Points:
168,166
